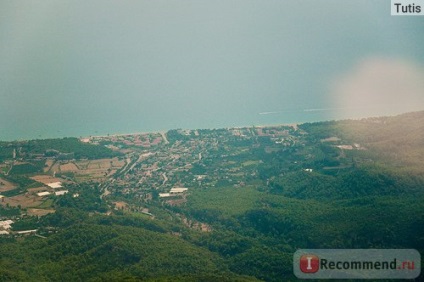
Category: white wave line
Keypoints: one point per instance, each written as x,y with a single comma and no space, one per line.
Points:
319,110
270,113
304,110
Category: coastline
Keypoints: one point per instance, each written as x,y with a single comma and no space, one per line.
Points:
294,125
291,124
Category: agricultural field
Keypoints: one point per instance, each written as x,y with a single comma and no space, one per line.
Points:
68,167
86,170
23,200
39,212
48,165
6,185
46,179
37,189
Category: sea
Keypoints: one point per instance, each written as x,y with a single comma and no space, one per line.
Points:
86,124
98,67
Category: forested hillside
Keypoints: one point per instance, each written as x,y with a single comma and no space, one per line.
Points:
72,146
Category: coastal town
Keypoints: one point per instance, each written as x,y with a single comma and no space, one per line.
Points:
140,170
168,165
243,196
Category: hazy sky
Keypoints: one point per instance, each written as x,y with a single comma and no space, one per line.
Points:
86,67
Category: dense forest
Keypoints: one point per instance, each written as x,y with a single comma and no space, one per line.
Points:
306,195
68,147
6,150
63,147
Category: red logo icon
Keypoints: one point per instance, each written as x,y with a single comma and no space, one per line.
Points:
309,263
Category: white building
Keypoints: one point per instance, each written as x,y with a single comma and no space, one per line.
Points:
5,224
173,192
60,193
177,190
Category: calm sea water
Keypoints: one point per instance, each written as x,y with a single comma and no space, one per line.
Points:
102,67
89,124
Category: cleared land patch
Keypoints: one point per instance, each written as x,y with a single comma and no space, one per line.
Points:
229,200
37,189
68,167
48,165
86,170
24,200
46,179
6,185
39,212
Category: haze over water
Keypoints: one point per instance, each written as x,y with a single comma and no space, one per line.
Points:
83,68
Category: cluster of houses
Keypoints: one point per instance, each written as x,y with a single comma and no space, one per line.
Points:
140,140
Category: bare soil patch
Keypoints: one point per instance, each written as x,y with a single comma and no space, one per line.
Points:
55,167
48,165
24,200
37,189
93,165
82,164
69,167
39,212
121,205
6,185
45,179
118,163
